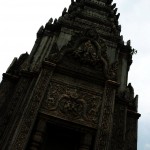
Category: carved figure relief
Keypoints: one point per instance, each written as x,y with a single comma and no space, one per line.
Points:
87,53
88,49
72,104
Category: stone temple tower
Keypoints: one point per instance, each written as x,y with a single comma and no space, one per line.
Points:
71,91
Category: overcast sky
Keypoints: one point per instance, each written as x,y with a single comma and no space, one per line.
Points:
20,20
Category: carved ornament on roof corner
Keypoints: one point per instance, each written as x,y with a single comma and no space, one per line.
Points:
89,40
128,96
88,49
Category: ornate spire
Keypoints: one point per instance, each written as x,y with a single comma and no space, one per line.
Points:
83,14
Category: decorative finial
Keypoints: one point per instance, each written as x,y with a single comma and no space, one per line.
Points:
55,21
64,11
109,2
115,10
118,15
134,51
113,6
50,21
121,37
129,43
40,31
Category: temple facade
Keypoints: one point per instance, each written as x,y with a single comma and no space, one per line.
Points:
72,92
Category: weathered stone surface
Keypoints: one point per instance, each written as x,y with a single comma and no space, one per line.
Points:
74,81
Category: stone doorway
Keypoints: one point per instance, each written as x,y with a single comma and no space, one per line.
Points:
61,138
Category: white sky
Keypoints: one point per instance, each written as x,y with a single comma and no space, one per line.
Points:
20,20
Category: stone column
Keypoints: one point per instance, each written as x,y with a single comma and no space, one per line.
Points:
85,142
38,135
31,112
104,131
131,130
119,126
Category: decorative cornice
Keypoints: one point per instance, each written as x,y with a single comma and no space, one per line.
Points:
10,77
133,114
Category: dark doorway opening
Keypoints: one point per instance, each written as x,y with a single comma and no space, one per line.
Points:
61,138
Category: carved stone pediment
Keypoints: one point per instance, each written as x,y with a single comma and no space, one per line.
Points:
87,53
86,49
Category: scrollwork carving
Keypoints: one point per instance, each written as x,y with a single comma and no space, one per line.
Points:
72,104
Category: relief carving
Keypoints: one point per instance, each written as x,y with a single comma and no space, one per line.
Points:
112,71
88,49
72,104
31,112
105,120
87,53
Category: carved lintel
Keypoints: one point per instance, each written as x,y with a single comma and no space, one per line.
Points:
72,104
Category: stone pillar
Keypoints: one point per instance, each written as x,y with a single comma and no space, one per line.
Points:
85,142
38,136
29,116
131,130
119,126
104,131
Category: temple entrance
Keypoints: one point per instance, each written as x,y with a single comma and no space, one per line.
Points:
61,138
